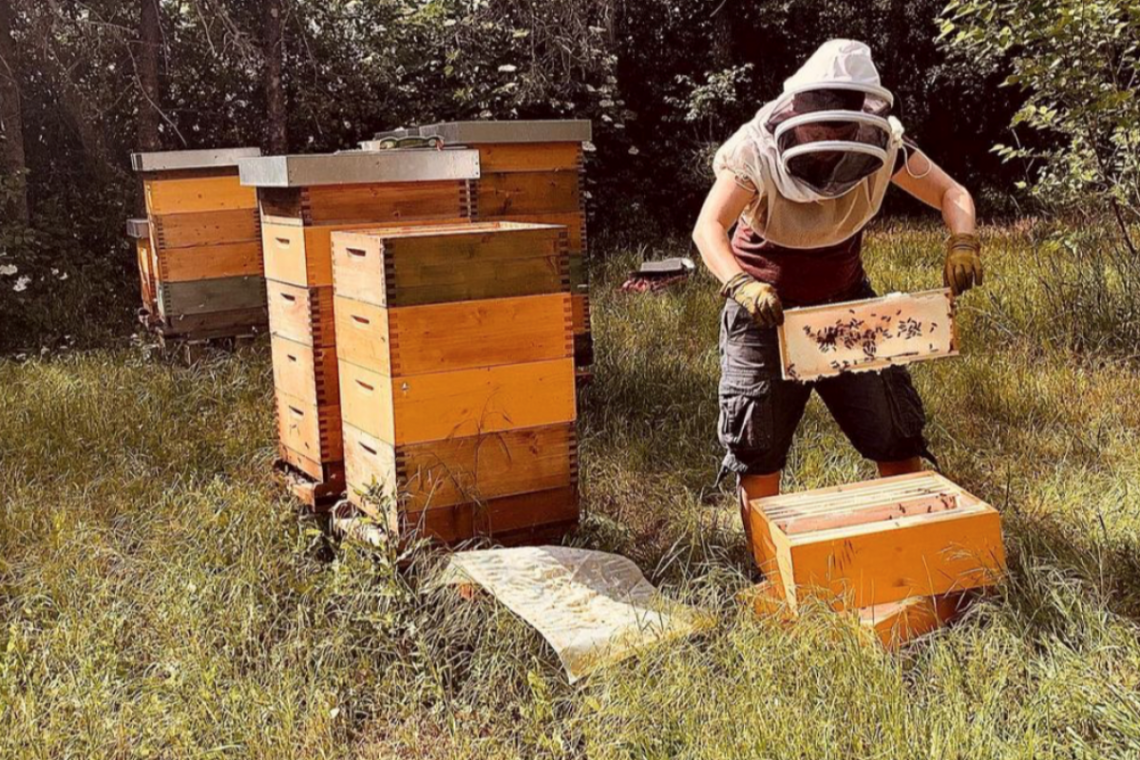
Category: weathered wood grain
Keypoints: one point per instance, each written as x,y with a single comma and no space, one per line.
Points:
312,433
500,195
444,473
206,228
210,262
432,407
465,263
504,158
196,195
305,373
205,296
304,315
413,340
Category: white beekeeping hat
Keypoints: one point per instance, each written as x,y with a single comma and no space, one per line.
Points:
831,124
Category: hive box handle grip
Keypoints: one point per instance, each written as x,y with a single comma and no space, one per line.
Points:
365,386
368,449
359,253
360,320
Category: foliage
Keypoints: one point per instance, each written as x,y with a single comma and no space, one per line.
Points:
160,597
1079,63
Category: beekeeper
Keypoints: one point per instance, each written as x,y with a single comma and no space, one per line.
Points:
799,183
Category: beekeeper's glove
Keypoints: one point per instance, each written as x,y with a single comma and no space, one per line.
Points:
963,268
757,298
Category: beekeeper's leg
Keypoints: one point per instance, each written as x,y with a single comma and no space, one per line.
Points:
882,415
759,410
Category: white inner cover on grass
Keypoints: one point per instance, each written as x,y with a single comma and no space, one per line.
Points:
594,608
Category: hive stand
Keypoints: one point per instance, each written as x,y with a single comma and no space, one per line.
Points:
877,543
893,625
205,242
532,172
457,379
303,199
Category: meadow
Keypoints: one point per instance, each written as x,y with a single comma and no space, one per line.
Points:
160,595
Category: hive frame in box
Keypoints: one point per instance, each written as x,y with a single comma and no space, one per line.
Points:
867,335
302,199
877,542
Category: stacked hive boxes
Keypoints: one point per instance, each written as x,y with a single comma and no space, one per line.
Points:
303,199
457,379
205,245
139,231
531,171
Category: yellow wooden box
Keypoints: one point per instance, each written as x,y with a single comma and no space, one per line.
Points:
878,542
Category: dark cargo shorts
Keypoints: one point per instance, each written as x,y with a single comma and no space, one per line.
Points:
879,412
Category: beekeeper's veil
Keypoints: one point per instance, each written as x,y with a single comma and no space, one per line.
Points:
829,130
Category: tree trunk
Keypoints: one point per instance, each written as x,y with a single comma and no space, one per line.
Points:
12,154
276,131
146,62
722,53
82,117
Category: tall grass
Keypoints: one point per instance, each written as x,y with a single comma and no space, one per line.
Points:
160,597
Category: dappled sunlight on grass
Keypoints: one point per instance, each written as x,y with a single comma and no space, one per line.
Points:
160,597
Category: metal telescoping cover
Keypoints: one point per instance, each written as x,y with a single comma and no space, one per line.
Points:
401,132
174,160
476,132
360,167
138,229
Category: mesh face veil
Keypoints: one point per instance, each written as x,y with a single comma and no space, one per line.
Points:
832,135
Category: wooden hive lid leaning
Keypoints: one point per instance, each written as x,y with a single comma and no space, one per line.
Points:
360,167
180,160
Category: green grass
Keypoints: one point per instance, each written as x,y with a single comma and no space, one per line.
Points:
160,597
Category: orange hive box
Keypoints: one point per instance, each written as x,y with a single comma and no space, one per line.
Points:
898,623
457,378
877,542
303,200
205,244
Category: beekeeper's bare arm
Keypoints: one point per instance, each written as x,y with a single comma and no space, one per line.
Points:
926,181
721,210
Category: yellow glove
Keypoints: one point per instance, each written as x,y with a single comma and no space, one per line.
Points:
963,268
757,298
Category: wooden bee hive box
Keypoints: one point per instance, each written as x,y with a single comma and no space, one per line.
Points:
859,336
877,542
303,199
531,172
893,625
457,378
139,231
898,623
206,244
